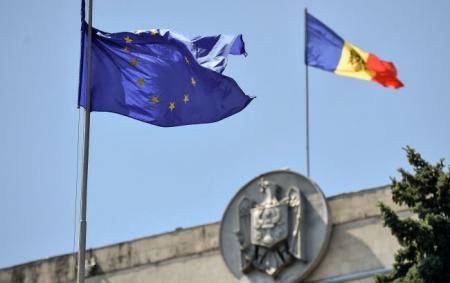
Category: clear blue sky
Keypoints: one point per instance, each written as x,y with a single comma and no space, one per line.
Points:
146,180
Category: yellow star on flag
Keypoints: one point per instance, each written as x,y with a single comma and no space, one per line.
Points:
193,81
155,99
134,61
154,32
128,39
140,81
126,49
171,106
186,98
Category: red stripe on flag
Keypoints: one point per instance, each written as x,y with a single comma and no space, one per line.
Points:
385,72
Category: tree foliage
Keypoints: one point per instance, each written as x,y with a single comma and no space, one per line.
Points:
424,256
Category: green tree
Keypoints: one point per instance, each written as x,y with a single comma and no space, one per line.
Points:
424,256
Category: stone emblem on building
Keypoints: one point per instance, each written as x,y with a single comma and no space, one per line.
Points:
270,231
275,229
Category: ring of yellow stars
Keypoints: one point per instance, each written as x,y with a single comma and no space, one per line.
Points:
186,98
140,81
126,49
155,99
128,39
134,61
193,81
154,32
171,106
186,60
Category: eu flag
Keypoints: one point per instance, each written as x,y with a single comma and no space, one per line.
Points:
162,78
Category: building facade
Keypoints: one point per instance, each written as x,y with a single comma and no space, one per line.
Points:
359,247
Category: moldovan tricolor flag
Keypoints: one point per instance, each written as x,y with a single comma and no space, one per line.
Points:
328,51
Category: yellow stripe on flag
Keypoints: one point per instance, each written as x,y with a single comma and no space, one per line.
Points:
353,63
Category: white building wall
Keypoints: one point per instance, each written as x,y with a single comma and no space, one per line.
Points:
359,246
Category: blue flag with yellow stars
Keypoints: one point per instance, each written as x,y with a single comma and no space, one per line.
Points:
162,78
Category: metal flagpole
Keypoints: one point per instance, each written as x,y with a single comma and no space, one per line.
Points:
307,95
84,178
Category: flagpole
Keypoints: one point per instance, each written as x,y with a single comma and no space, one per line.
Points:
307,96
84,178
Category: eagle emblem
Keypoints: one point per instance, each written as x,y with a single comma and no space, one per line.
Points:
270,232
356,61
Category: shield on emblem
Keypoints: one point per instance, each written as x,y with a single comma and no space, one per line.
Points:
269,224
